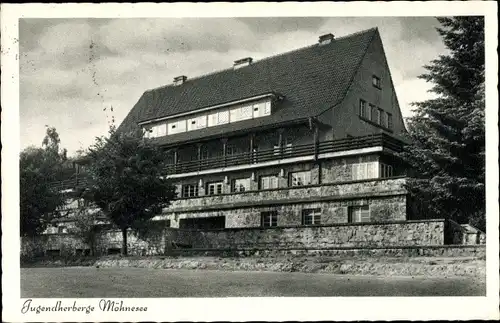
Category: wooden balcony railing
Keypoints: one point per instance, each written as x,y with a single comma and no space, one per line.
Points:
263,156
68,184
286,152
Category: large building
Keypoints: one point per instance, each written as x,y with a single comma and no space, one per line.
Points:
302,138
298,150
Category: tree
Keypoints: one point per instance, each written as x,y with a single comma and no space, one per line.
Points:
126,180
85,226
447,133
38,168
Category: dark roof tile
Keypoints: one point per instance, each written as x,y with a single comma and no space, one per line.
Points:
312,79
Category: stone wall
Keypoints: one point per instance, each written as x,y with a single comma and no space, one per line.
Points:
160,242
386,198
107,242
390,208
411,233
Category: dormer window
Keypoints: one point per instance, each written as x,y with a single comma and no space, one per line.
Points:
245,109
376,82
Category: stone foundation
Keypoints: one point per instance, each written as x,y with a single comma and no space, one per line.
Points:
162,241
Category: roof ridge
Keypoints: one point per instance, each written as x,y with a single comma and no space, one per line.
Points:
266,58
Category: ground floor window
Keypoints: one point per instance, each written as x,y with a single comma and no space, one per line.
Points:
311,216
241,185
269,219
189,190
300,178
214,188
359,213
268,182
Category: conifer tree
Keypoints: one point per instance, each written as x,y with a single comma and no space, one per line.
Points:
447,133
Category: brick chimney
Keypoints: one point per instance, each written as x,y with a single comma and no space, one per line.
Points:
242,62
326,39
178,80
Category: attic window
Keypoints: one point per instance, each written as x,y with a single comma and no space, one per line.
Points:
376,82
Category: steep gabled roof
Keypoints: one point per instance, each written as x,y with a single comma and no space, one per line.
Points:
311,79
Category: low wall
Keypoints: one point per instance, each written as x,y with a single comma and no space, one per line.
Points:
476,251
160,242
408,233
107,242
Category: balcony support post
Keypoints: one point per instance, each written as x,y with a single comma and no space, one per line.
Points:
280,141
175,161
252,138
199,156
224,150
316,140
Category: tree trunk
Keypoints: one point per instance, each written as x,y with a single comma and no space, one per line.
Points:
124,242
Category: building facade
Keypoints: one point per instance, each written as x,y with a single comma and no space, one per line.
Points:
302,138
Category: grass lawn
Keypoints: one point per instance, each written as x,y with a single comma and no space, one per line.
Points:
90,282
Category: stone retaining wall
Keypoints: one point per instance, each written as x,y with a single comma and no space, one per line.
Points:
108,242
408,233
160,242
477,251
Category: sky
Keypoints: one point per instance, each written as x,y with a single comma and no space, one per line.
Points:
72,71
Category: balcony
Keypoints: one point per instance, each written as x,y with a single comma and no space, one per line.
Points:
316,150
262,156
69,184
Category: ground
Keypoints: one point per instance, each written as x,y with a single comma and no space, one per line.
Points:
85,282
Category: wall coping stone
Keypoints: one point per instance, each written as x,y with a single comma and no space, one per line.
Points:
313,226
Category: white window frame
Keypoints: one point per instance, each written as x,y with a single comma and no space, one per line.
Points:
364,170
269,219
311,216
190,190
269,182
241,185
302,178
218,188
359,213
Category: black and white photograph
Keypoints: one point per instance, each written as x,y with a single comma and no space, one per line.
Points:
245,155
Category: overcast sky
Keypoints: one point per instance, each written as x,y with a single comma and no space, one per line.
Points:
72,69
